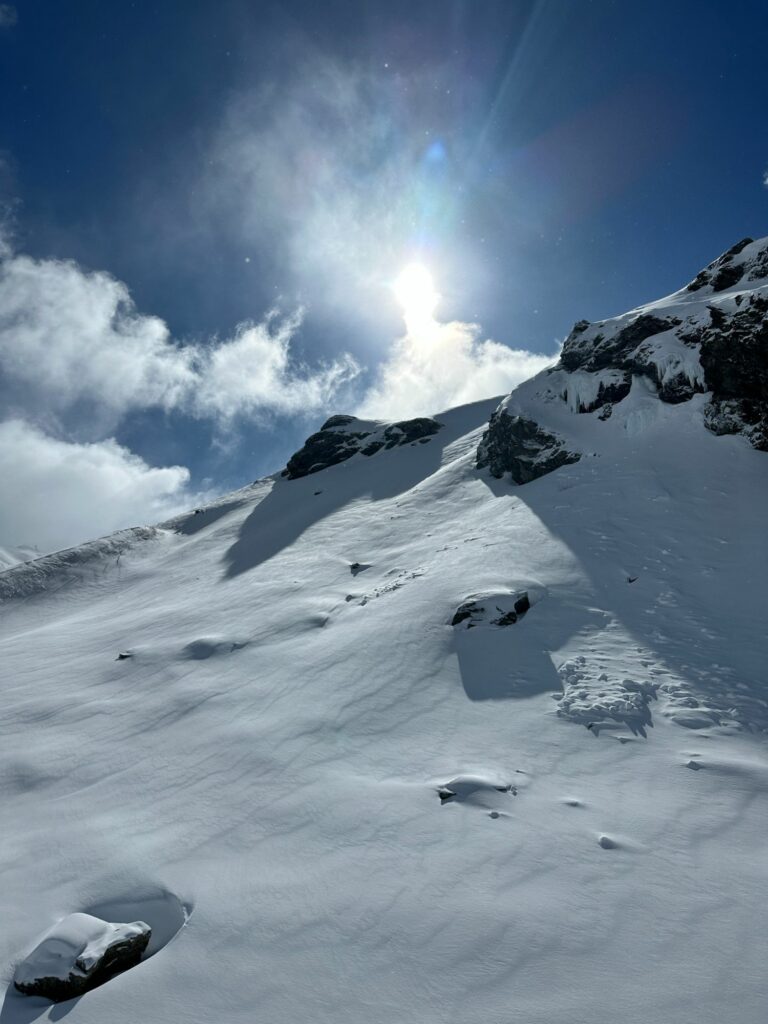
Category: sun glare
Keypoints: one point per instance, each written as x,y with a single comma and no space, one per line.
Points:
415,291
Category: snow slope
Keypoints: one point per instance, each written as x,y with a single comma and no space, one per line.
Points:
265,776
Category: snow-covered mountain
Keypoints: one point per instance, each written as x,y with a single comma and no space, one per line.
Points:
458,719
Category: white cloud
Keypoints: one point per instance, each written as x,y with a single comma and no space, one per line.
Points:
56,494
69,337
446,365
8,16
253,371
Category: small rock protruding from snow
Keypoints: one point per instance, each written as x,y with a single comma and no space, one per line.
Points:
493,609
607,843
79,953
471,788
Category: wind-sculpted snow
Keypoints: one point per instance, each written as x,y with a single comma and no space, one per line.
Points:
74,565
264,711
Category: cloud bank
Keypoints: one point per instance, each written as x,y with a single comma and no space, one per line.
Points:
446,365
69,337
77,358
57,493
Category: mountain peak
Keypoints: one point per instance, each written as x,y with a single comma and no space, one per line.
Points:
710,339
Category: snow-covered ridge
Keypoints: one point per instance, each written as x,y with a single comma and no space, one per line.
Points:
71,565
710,338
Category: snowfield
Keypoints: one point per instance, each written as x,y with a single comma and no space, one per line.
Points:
255,729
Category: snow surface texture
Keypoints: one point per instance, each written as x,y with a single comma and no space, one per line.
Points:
345,808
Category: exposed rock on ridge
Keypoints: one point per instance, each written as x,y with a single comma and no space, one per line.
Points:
709,338
341,437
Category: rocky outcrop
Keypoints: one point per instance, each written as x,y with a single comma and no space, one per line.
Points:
709,338
79,953
341,437
585,349
723,272
518,446
734,357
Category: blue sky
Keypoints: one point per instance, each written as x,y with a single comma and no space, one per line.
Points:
253,176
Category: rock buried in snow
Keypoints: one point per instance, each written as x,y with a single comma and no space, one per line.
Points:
79,953
472,789
492,609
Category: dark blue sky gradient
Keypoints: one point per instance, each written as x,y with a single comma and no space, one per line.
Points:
578,159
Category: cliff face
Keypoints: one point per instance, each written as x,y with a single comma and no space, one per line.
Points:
709,338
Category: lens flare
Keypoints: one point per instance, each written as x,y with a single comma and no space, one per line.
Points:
415,291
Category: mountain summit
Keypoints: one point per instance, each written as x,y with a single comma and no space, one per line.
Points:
710,338
461,718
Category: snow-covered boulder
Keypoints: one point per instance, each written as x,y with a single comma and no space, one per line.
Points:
341,437
79,953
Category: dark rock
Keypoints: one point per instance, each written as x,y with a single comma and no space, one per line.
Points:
465,611
600,353
479,609
734,356
727,277
507,619
720,274
337,421
123,655
341,437
518,446
78,954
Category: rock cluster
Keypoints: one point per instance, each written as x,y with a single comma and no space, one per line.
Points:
341,437
495,609
709,338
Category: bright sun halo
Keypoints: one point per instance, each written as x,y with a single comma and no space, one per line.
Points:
415,291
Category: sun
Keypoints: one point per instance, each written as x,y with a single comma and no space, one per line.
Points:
415,291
